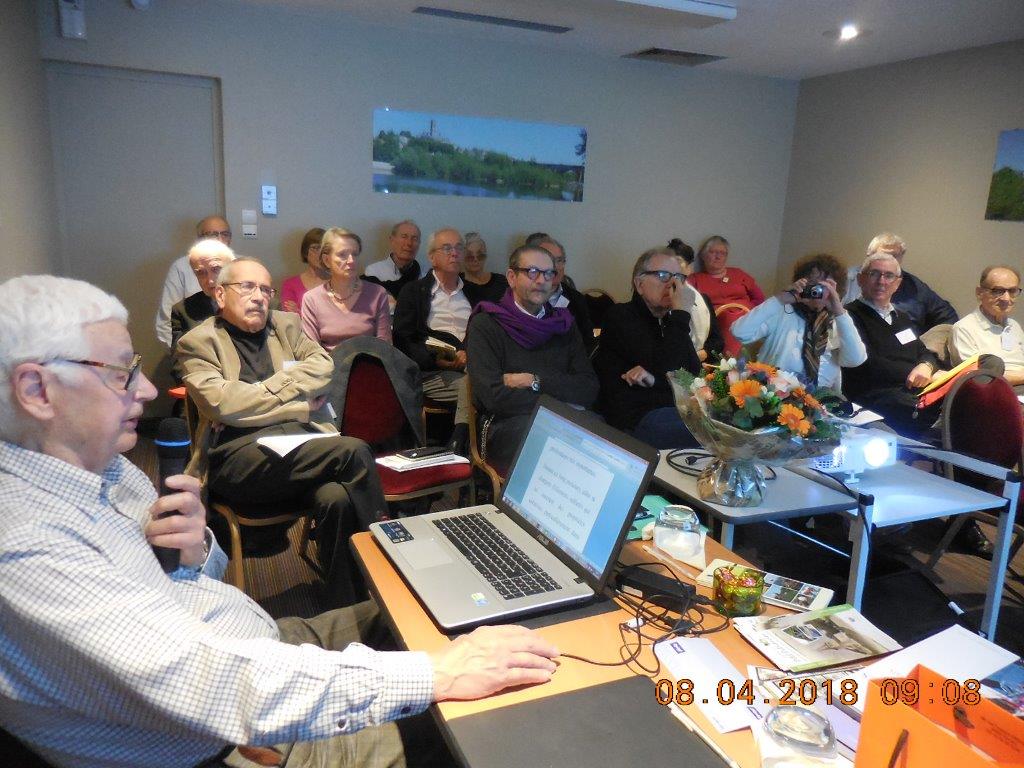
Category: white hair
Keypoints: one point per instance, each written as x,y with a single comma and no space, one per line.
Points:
227,272
209,248
881,256
42,319
432,242
887,241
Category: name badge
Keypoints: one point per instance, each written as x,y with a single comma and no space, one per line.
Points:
906,336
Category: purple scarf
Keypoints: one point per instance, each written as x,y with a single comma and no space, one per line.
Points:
526,330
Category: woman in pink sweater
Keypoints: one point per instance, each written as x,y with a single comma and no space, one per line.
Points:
344,306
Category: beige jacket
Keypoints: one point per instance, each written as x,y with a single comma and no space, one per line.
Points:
210,368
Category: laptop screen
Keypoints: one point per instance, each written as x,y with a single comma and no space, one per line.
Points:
575,487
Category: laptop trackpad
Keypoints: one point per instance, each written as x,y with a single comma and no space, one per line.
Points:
424,554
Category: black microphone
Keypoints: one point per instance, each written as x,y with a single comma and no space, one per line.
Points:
172,450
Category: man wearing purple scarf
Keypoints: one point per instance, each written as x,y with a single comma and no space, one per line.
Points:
520,347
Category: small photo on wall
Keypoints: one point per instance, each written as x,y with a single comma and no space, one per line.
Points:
1006,194
434,154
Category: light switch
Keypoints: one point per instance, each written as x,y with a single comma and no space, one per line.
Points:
249,231
269,192
270,207
249,216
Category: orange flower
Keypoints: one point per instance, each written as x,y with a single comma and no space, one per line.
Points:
793,419
743,389
810,401
770,370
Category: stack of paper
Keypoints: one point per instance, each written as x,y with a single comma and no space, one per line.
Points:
401,464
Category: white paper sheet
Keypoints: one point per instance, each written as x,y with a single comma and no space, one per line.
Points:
282,445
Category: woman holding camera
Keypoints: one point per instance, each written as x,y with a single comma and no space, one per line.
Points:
806,329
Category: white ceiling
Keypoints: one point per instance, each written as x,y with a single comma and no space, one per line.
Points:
778,38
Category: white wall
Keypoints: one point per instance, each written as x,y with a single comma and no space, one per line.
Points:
27,219
908,147
671,151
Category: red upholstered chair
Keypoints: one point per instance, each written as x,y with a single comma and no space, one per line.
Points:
373,413
981,417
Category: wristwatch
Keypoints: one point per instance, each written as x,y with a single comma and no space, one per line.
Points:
535,386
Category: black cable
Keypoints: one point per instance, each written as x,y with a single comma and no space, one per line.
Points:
693,461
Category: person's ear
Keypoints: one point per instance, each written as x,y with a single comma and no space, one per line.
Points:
218,296
31,390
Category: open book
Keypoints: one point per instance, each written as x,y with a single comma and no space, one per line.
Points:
823,638
443,348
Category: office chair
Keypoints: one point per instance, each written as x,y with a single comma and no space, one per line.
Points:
374,414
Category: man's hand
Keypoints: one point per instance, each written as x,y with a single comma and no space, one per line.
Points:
920,376
185,527
490,659
518,380
316,403
458,363
638,376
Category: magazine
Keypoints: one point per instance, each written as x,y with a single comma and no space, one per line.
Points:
822,638
778,590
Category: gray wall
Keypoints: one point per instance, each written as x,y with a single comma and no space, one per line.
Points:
27,222
908,147
671,151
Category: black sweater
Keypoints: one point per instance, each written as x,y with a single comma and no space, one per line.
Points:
889,360
632,336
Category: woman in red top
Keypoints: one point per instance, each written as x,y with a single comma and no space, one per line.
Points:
732,291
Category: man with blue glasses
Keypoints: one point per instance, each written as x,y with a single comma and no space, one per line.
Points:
520,347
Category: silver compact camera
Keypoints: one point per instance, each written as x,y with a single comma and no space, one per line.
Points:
816,291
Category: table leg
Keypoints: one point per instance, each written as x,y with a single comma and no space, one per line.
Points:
728,531
860,535
1000,558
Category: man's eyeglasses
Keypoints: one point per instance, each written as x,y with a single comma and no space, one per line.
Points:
131,372
248,288
534,272
663,275
220,234
448,249
996,292
877,274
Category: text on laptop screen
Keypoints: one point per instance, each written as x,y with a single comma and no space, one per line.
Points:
574,487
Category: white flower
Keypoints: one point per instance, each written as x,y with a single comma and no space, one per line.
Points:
784,382
727,363
698,384
732,376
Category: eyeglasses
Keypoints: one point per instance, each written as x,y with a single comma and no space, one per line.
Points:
248,288
534,272
131,372
887,277
663,275
996,292
220,234
448,249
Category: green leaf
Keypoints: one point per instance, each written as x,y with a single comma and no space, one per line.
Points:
742,420
753,407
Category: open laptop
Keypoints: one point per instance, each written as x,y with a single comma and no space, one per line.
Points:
566,507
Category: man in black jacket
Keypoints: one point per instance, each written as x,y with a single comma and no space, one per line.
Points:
520,348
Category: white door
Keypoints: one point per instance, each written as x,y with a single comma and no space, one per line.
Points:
138,160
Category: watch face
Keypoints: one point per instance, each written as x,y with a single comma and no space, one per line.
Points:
535,386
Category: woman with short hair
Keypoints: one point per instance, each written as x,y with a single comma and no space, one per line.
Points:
478,283
732,291
344,306
294,288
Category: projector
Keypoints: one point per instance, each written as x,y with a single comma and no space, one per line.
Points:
858,451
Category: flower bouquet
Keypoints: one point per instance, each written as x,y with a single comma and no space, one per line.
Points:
750,413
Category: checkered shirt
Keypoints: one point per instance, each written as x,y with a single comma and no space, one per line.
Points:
105,660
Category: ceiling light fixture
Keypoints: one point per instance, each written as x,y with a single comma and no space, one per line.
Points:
695,7
848,32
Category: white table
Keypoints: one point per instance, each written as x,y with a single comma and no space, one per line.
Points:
884,497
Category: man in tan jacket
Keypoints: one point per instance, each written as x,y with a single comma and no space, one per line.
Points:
252,373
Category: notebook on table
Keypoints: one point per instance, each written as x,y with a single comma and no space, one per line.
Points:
553,538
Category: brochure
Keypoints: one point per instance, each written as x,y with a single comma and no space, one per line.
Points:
778,590
1006,687
822,638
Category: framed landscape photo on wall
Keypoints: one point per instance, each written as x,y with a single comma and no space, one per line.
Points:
1006,193
435,154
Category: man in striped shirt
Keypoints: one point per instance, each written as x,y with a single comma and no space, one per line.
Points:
105,660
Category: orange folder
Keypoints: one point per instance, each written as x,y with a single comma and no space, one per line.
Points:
926,720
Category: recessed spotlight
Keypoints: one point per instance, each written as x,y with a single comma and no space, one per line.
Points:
848,32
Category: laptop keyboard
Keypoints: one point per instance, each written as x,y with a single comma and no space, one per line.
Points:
505,566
